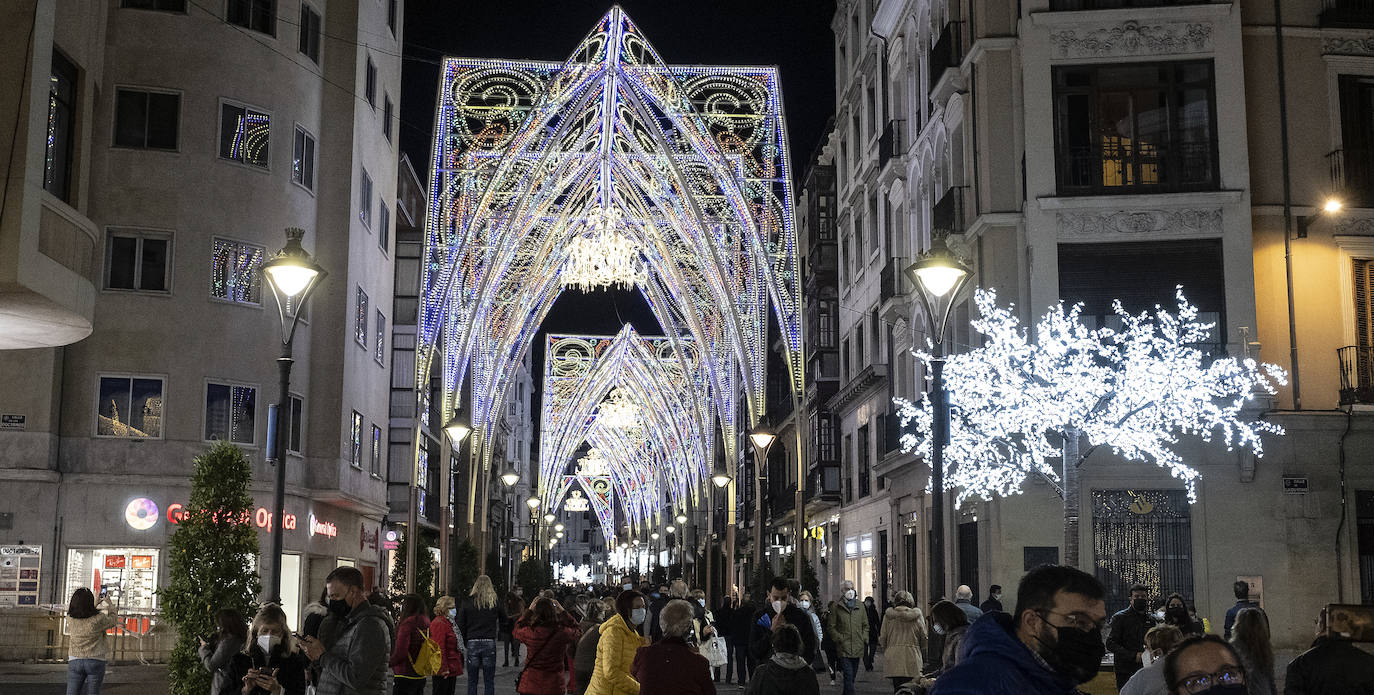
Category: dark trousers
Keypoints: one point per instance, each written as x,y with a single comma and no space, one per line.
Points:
870,651
744,663
511,646
850,666
407,686
445,686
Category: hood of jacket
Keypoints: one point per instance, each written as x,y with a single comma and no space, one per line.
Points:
789,661
902,613
992,659
316,608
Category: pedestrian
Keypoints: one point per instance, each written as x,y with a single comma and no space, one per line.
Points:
88,650
444,631
1127,637
1207,665
725,627
584,659
478,622
615,652
1050,644
547,633
963,598
1332,665
903,639
740,634
994,600
217,653
410,637
1149,680
786,672
356,663
703,620
386,608
950,623
274,664
672,666
1176,614
808,604
875,622
514,608
847,624
677,589
1241,589
1250,639
780,609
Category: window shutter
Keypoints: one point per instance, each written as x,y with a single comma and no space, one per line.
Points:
1364,310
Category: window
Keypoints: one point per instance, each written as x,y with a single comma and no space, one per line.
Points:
844,360
357,433
1142,536
871,102
57,160
244,134
294,418
360,323
370,83
258,15
379,349
391,11
163,5
136,260
384,227
365,199
129,406
860,357
857,259
1135,128
303,159
386,116
310,33
874,229
376,451
865,474
146,119
234,272
1353,164
847,456
230,413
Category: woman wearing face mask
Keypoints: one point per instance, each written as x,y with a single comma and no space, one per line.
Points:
671,666
217,654
1159,641
1250,637
445,634
903,639
410,636
949,620
807,603
1176,614
1205,665
615,651
274,664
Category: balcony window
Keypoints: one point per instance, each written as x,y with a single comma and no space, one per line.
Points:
1352,166
61,132
1135,128
1347,13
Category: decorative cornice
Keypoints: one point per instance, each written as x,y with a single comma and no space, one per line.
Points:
1187,222
1133,38
1359,226
1348,45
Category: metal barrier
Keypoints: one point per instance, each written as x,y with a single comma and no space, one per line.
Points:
40,635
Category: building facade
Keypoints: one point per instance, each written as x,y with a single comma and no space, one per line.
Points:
192,138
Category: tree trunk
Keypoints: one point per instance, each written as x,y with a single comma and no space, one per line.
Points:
1071,497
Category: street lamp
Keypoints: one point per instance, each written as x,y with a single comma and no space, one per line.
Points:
533,503
456,430
558,527
720,477
681,518
293,276
938,275
762,439
511,476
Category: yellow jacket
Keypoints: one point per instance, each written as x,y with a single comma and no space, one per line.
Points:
615,655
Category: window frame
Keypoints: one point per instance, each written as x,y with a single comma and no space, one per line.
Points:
365,191
205,410
383,226
114,120
308,45
370,83
262,286
296,133
380,341
266,166
139,233
72,72
356,441
361,318
377,445
387,112
95,422
124,5
272,14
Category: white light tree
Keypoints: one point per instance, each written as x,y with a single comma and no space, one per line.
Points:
1021,404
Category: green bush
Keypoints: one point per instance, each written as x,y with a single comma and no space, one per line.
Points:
534,575
808,580
463,569
210,561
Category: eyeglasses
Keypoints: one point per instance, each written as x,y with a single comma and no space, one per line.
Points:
1199,682
1077,621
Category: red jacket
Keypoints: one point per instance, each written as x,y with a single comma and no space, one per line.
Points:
546,650
670,667
441,631
408,641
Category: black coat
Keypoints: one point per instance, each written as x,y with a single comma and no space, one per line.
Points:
772,678
1127,638
1331,667
761,634
743,618
656,607
478,623
291,667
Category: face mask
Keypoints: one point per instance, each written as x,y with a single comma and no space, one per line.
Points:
778,606
938,628
702,601
997,597
1235,689
654,595
627,587
1073,653
338,607
1178,612
1138,604
268,642
637,616
849,594
804,604
452,613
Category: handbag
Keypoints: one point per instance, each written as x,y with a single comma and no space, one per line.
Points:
529,658
716,651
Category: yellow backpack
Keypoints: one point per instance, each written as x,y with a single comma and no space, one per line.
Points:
429,661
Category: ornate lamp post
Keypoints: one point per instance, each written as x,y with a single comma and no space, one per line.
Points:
762,439
456,430
939,275
293,276
720,478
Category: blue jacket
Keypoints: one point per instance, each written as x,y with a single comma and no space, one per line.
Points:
992,661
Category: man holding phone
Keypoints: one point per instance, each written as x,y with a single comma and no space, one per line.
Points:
356,663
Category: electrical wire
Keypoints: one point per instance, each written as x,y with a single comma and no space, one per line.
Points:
18,116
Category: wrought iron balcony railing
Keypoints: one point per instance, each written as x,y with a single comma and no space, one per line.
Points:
1352,175
1357,374
947,216
1141,167
891,142
1069,5
892,282
946,53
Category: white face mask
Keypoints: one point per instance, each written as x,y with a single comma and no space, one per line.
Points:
938,628
637,616
849,594
267,642
452,613
778,606
702,601
627,587
805,604
997,597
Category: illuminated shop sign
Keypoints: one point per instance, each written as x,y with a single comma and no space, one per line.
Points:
322,528
141,514
261,517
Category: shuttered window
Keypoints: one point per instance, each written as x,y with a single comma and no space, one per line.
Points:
1364,309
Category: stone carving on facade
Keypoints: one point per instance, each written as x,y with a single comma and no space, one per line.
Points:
1188,222
1133,38
1348,45
900,335
1360,226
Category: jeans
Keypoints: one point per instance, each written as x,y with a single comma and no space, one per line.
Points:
445,686
511,646
851,667
84,676
481,659
744,664
407,686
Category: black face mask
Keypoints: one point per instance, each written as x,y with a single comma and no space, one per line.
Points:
1138,604
1074,653
1237,689
338,607
1178,613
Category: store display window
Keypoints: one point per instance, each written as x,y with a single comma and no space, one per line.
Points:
126,577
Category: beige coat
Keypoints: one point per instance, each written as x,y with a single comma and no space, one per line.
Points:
903,637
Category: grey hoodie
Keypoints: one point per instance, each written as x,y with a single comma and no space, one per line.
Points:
356,664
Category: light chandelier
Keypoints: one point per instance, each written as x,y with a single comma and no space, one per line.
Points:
593,465
603,256
618,411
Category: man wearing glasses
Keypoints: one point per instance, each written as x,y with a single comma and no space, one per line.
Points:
1205,665
1050,644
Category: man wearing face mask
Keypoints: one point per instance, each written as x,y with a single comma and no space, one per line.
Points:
1127,638
356,663
994,601
847,625
1052,642
779,609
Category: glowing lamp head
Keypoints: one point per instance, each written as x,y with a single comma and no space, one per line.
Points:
654,535
762,438
532,502
558,535
720,477
938,271
510,477
1332,205
457,430
670,528
548,518
558,527
292,270
681,518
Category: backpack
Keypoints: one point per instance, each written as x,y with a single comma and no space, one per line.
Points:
429,661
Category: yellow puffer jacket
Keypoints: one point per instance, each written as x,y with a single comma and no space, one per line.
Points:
615,655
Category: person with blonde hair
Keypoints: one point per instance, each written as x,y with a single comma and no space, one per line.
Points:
1159,641
903,638
479,622
275,664
444,633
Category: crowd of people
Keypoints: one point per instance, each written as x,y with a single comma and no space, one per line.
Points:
638,639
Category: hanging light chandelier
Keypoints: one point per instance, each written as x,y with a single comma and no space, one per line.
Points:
593,465
603,255
618,411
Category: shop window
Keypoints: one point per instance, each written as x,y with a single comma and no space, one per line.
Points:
138,260
291,587
130,406
126,577
145,119
235,272
231,413
244,135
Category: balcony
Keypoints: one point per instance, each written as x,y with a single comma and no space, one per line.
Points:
823,484
1347,13
892,282
1144,167
892,431
867,378
945,54
1351,170
891,143
1074,5
947,217
1357,374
